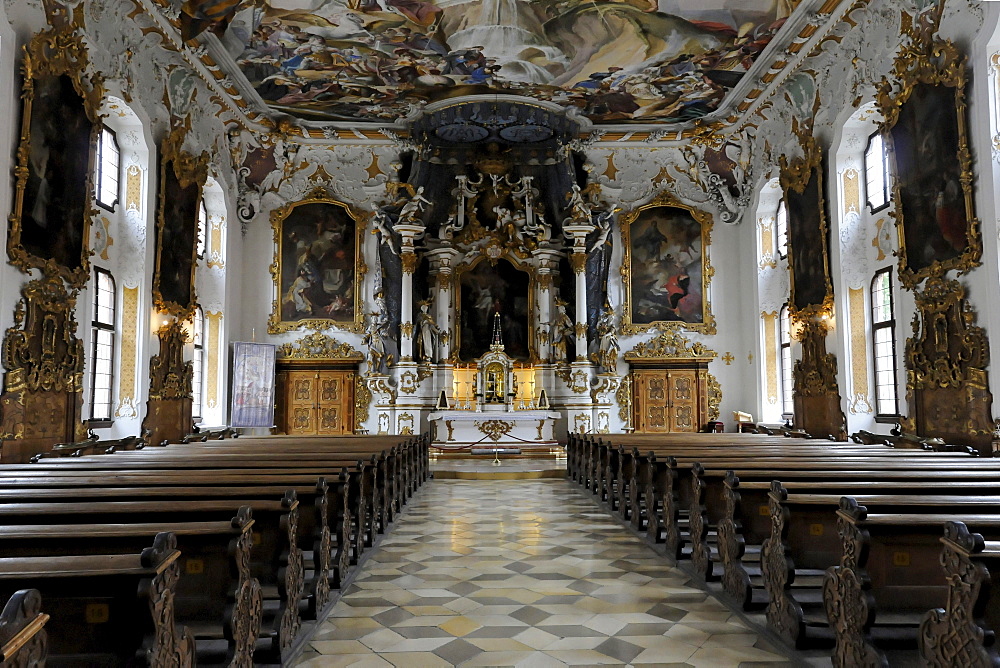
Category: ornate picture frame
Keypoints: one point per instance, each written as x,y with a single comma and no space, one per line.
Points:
801,179
932,171
182,181
60,126
319,265
658,286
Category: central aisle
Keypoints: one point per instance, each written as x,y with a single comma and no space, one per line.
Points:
525,573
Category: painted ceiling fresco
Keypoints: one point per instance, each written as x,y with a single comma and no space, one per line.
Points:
616,60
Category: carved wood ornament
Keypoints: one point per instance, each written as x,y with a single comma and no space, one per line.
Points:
44,361
168,413
947,385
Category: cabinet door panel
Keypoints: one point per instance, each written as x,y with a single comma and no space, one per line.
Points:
683,401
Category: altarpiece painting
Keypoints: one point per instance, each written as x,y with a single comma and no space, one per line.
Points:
182,177
808,253
319,268
485,289
666,267
50,222
932,173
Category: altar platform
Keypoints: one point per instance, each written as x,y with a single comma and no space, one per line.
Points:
536,464
464,429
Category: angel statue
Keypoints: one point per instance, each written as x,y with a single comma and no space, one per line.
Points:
560,330
375,338
413,207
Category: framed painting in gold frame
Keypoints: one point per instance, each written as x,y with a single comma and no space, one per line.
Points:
925,128
53,198
319,268
666,267
182,179
811,289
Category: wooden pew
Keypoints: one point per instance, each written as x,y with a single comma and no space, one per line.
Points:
23,639
107,609
217,598
962,632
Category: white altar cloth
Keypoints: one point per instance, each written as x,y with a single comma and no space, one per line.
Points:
507,428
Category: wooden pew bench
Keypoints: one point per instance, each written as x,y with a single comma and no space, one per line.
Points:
888,577
23,639
279,559
107,609
962,632
216,597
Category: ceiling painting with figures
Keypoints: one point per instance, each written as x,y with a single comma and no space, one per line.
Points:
614,61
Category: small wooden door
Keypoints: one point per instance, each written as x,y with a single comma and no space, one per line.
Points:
318,402
668,400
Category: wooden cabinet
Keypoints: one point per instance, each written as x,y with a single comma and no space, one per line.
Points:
316,402
670,399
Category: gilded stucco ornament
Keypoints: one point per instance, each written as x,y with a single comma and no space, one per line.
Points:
708,325
670,344
55,53
935,63
318,346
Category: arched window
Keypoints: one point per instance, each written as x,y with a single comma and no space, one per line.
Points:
781,229
102,368
785,357
198,363
106,165
878,181
884,348
202,229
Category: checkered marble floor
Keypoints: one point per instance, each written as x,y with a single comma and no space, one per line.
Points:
524,573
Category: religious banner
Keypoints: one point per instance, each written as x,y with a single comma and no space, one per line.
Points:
253,385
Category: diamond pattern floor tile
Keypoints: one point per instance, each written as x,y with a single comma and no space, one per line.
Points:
524,573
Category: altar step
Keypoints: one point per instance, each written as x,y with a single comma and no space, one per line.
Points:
526,466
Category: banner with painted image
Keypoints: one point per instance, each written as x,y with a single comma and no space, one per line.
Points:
253,385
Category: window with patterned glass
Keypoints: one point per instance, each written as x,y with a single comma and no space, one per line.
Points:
198,363
781,229
102,368
785,360
878,181
106,165
884,347
202,229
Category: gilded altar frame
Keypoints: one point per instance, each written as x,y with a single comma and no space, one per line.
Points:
795,177
55,54
277,323
186,170
456,291
705,220
939,63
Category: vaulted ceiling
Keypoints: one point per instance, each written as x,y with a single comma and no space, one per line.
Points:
626,61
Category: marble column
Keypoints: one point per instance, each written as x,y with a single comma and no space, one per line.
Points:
547,265
441,260
408,234
578,261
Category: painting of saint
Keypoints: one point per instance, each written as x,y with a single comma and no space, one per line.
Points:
641,60
177,241
925,144
666,267
55,203
807,242
486,290
317,247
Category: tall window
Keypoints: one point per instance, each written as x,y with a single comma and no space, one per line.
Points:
106,170
198,363
102,366
884,334
787,405
781,228
202,229
878,180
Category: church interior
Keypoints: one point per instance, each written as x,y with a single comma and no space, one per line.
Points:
499,332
